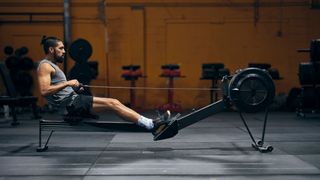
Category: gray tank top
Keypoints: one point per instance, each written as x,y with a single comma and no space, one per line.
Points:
60,99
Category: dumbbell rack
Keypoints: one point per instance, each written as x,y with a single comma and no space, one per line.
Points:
213,72
171,71
132,73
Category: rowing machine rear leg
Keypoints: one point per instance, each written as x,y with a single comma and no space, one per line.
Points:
263,149
258,145
45,147
41,148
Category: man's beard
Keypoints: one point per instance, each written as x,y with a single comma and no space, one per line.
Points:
58,59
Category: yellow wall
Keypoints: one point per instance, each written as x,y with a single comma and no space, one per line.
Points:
188,32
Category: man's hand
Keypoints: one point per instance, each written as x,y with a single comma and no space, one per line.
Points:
73,83
76,86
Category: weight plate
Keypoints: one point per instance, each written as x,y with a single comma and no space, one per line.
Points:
80,50
12,62
8,50
309,73
251,90
308,97
81,72
315,50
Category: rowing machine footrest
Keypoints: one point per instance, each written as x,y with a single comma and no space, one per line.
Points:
170,131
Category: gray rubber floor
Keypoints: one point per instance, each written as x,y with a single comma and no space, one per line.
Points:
216,148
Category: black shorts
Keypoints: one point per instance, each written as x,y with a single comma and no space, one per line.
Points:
80,105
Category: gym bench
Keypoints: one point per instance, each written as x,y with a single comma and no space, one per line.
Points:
13,100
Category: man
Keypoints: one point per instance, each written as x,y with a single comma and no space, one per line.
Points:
60,93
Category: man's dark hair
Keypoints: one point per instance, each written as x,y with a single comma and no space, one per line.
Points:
48,42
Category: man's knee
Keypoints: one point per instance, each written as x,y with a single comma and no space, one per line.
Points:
114,102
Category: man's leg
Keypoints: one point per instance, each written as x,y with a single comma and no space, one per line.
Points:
116,106
129,114
161,128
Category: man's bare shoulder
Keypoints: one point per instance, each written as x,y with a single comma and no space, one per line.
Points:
45,66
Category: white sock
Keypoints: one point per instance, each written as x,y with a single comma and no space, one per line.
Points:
145,122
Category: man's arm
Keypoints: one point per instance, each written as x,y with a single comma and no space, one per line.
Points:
44,77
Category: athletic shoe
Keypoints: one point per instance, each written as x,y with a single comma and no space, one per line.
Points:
161,123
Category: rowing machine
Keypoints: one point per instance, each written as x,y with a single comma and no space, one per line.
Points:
250,90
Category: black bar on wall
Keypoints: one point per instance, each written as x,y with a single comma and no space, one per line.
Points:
158,3
67,31
30,17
